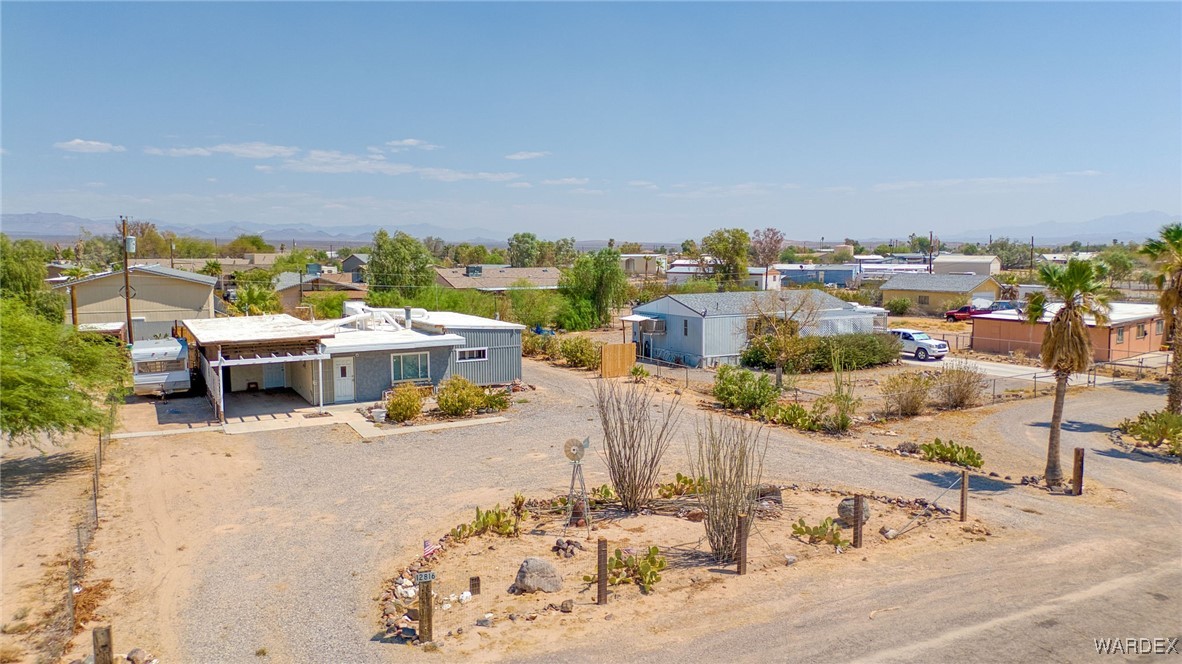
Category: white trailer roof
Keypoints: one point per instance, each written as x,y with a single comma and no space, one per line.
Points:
246,329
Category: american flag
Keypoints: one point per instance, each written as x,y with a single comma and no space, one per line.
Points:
429,548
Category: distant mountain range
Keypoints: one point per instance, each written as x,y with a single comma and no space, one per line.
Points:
52,226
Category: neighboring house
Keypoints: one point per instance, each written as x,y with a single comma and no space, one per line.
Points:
869,258
1061,259
644,265
496,278
961,264
491,350
763,278
161,298
707,329
937,293
293,287
877,271
1132,329
355,263
845,275
910,258
684,270
54,272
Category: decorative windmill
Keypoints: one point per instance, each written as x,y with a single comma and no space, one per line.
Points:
575,450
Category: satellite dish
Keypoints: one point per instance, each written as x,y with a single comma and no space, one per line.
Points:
574,449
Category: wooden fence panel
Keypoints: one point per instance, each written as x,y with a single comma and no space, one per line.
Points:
617,360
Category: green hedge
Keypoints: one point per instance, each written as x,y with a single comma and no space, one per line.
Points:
857,351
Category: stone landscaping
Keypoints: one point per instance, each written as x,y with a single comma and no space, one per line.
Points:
535,584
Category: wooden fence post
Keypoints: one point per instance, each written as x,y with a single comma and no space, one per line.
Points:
101,637
859,507
1077,480
964,495
426,607
601,572
744,525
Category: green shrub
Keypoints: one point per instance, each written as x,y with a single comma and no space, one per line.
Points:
406,403
580,352
644,571
789,414
1154,429
815,353
639,373
533,345
739,389
497,400
682,485
898,306
827,532
458,396
961,455
497,521
906,393
574,315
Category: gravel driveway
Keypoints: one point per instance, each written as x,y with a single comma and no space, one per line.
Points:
328,517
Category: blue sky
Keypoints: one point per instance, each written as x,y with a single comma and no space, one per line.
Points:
650,122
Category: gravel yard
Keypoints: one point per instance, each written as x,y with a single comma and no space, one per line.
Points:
281,540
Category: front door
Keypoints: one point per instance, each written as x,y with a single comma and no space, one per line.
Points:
274,375
342,379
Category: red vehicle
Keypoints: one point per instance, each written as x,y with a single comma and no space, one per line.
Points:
964,313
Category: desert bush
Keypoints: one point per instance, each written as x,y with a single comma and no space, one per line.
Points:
959,385
740,389
638,373
636,435
406,403
729,458
827,532
906,393
580,352
496,400
539,345
1153,429
497,521
834,412
898,306
815,353
961,455
789,414
644,571
681,485
459,396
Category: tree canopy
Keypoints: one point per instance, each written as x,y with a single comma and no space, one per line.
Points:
728,246
399,263
598,279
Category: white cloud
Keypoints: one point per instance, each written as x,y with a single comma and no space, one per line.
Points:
80,145
333,161
409,143
527,155
520,185
211,179
719,191
642,184
568,181
3,152
264,168
589,192
251,150
840,189
95,185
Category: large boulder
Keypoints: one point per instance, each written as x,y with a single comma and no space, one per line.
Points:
845,510
536,575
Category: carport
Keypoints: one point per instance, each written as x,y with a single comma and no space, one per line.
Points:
257,353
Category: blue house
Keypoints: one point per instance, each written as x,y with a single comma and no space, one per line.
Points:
707,329
846,275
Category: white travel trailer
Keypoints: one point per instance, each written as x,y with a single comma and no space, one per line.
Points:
161,366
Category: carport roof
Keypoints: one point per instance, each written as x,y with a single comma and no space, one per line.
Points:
360,341
250,329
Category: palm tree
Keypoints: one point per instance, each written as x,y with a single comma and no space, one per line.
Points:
1066,343
255,299
74,272
212,268
1166,253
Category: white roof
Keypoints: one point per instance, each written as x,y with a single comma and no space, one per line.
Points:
634,318
101,327
245,329
356,341
1118,313
451,319
964,258
158,350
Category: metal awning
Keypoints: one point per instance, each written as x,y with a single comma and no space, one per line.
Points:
273,358
635,318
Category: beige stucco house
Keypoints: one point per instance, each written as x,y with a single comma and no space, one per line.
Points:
161,297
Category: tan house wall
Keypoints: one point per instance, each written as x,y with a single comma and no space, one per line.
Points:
156,299
1007,336
939,302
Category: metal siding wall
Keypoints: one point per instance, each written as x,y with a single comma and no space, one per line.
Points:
725,335
674,344
504,356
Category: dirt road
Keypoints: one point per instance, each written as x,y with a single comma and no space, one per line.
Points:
283,544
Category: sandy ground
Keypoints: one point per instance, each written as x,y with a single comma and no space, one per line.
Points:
285,543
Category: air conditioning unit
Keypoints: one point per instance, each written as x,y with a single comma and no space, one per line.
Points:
653,326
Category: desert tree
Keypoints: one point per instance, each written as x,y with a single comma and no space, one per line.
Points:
1066,344
775,321
729,457
636,435
74,273
766,245
1166,253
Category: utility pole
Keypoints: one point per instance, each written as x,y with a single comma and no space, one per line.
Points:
931,237
1032,257
172,255
128,243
